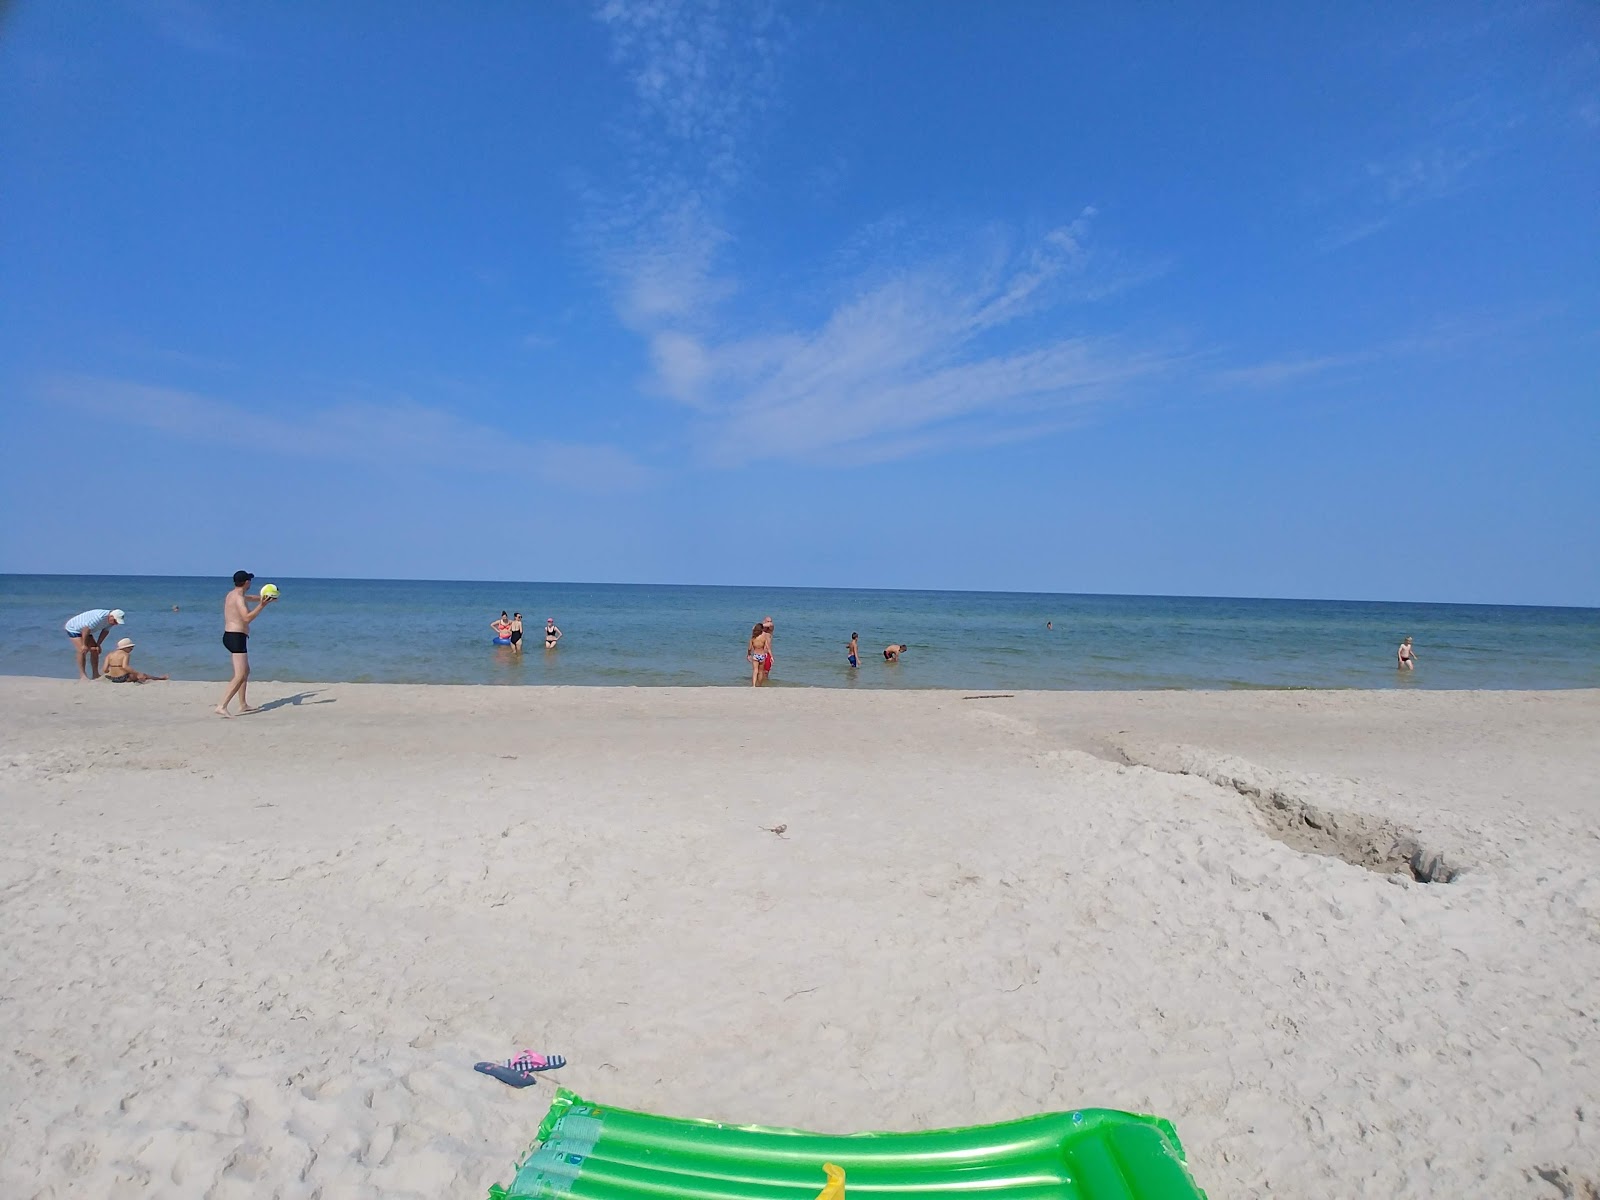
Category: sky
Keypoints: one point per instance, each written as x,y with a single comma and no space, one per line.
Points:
1246,300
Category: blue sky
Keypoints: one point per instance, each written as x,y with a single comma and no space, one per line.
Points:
1292,301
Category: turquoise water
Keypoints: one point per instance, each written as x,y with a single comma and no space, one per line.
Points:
438,632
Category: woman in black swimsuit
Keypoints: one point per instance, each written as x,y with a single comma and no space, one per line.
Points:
516,632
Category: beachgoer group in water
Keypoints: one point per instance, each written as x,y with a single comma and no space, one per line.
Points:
758,651
508,631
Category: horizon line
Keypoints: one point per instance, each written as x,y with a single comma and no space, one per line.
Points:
831,588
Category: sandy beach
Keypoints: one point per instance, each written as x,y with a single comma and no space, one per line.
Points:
1347,941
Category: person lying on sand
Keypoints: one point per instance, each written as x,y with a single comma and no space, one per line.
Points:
116,667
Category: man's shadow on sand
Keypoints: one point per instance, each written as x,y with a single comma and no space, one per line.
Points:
297,700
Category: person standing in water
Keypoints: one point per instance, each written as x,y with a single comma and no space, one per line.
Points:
552,635
516,632
759,652
1408,657
502,629
237,617
853,650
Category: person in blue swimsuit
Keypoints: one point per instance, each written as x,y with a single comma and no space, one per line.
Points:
854,650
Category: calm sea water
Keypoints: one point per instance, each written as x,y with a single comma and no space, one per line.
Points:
438,632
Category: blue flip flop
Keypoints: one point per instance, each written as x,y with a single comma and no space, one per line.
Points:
507,1075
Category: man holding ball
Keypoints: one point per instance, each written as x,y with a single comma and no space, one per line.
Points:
236,618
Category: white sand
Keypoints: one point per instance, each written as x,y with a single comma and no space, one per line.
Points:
258,958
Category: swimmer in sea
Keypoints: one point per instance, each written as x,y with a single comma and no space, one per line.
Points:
853,650
552,635
516,632
502,628
1408,657
893,653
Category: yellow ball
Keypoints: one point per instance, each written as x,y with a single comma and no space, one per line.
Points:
269,589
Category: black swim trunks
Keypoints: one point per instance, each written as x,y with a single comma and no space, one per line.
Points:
120,678
237,643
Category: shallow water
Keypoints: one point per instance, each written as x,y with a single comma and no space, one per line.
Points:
438,632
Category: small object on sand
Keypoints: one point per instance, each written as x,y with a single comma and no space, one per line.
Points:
780,830
516,1079
523,1070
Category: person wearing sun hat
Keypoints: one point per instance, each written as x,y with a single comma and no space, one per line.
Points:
118,670
88,633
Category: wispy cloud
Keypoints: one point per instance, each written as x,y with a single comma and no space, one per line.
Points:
918,345
1443,336
702,72
1391,187
930,357
403,432
1280,371
1427,161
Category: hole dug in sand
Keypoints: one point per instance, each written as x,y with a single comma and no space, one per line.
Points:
1358,839
1361,839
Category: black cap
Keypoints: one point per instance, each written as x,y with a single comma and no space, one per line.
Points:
241,577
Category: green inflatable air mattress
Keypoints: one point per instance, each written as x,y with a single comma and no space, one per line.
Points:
592,1152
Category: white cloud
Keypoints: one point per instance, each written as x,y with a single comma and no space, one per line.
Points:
1444,336
926,357
917,345
702,71
1288,370
401,432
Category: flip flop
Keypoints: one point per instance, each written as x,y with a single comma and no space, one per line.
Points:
521,1071
507,1075
527,1060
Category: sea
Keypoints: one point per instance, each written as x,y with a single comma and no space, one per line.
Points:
620,635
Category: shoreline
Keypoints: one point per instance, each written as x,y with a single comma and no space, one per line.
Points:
289,935
1406,688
